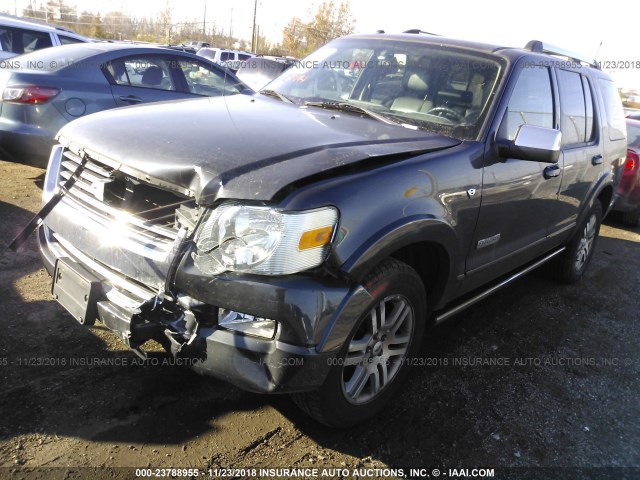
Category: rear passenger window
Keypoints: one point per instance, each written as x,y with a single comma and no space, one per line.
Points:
146,72
531,101
613,110
576,103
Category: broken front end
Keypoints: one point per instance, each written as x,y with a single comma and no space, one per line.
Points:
219,287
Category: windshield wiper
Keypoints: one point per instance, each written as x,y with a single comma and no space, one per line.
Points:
278,95
349,107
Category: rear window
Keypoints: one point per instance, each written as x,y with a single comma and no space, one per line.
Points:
53,59
613,110
207,53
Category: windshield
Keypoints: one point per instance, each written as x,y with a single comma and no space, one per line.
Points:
431,87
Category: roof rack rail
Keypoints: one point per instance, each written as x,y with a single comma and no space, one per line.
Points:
418,31
540,47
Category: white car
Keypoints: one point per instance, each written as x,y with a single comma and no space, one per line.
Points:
20,35
231,59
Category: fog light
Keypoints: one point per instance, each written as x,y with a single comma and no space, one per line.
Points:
247,324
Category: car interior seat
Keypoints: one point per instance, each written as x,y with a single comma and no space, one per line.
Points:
43,42
415,90
118,71
152,77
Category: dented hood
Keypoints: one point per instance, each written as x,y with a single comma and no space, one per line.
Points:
242,147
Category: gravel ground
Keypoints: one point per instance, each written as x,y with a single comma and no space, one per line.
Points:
539,381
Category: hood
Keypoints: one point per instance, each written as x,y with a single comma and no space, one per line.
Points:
237,147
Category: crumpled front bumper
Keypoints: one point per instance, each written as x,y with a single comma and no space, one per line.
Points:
252,363
124,285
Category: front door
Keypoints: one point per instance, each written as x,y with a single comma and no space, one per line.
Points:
518,198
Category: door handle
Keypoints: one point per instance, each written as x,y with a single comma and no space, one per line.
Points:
130,99
551,171
597,160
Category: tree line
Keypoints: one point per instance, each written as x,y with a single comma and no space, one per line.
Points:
299,37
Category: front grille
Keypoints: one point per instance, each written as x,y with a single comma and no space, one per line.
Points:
149,212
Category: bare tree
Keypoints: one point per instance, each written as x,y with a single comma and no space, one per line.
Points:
327,23
293,38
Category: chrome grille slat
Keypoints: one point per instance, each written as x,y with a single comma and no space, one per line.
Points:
81,183
102,171
112,214
86,174
140,233
154,220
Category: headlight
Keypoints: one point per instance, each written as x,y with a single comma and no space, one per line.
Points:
242,238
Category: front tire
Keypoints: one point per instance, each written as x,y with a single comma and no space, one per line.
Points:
372,363
576,258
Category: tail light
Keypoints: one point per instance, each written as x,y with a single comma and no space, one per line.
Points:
29,94
631,164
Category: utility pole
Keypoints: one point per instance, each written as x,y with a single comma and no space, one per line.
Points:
231,29
253,35
257,39
204,20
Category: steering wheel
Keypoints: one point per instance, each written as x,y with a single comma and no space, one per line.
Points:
327,80
446,112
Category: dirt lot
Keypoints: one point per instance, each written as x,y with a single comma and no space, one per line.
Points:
539,376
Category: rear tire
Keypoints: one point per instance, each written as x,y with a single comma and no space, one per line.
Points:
576,258
373,361
631,219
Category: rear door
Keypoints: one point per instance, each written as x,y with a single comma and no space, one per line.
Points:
143,78
582,161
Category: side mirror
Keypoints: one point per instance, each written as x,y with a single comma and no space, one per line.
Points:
534,143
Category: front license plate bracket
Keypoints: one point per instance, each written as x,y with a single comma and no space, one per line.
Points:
77,290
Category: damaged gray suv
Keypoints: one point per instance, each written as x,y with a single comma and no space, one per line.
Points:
301,239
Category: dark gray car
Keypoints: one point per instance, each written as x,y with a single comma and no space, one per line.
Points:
304,243
44,90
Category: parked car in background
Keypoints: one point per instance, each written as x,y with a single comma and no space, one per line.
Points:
634,115
628,192
231,59
196,45
48,88
19,35
260,70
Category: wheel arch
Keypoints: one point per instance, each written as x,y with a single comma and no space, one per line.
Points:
605,197
427,245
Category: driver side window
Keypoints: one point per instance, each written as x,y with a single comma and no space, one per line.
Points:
202,79
531,101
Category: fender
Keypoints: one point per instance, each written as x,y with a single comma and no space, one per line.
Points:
606,180
408,231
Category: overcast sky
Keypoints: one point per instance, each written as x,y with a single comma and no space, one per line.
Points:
580,28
